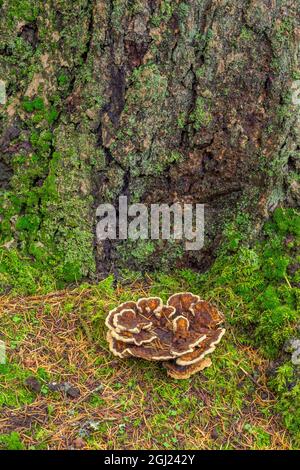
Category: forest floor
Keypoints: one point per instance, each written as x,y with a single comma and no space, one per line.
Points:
62,389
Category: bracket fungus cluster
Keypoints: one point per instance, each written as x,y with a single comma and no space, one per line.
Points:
180,334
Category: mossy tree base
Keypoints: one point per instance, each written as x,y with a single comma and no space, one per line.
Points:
161,101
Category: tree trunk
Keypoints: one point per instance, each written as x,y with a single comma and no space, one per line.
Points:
161,101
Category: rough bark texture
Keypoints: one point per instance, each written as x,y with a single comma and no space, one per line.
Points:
161,101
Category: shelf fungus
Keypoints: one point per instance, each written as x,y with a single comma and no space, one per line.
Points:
180,334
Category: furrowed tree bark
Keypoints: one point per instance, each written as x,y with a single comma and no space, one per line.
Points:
162,101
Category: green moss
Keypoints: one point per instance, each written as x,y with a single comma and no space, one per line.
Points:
148,85
183,10
285,221
46,237
50,225
29,223
165,12
31,105
11,441
200,72
262,438
12,390
286,383
246,34
158,167
117,13
258,276
27,10
283,30
203,40
181,120
139,252
201,115
296,75
260,298
51,115
63,79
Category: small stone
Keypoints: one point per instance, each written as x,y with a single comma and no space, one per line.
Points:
65,387
296,357
292,347
33,384
73,392
54,386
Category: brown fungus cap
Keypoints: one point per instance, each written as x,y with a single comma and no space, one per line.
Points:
184,372
181,333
